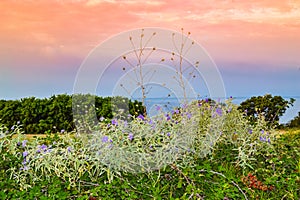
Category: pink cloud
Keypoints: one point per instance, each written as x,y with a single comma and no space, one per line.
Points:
256,30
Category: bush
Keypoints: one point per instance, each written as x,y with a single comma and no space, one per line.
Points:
55,114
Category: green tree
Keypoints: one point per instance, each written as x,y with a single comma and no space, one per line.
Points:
271,108
295,122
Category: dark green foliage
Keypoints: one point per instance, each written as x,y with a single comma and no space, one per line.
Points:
295,123
271,108
55,113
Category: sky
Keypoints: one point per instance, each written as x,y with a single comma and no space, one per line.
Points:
255,44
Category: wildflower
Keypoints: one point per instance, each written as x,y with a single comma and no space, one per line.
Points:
130,136
24,161
150,122
168,134
25,153
219,111
141,117
19,143
69,149
43,147
250,131
158,108
62,131
206,100
25,168
263,139
262,131
18,122
168,117
13,127
269,141
114,122
105,139
24,143
101,118
189,115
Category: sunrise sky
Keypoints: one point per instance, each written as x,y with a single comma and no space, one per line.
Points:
255,44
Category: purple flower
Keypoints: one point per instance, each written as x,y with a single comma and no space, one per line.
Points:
25,153
25,168
44,147
114,122
219,111
150,122
101,118
13,127
19,143
130,136
168,117
158,108
24,161
62,131
250,131
263,139
189,115
69,149
141,117
175,111
24,143
168,134
206,100
105,138
269,141
262,131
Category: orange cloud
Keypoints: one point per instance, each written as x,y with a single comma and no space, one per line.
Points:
74,27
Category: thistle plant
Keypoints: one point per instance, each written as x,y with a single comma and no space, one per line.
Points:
143,55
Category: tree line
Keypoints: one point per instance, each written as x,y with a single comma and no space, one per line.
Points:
55,114
60,112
